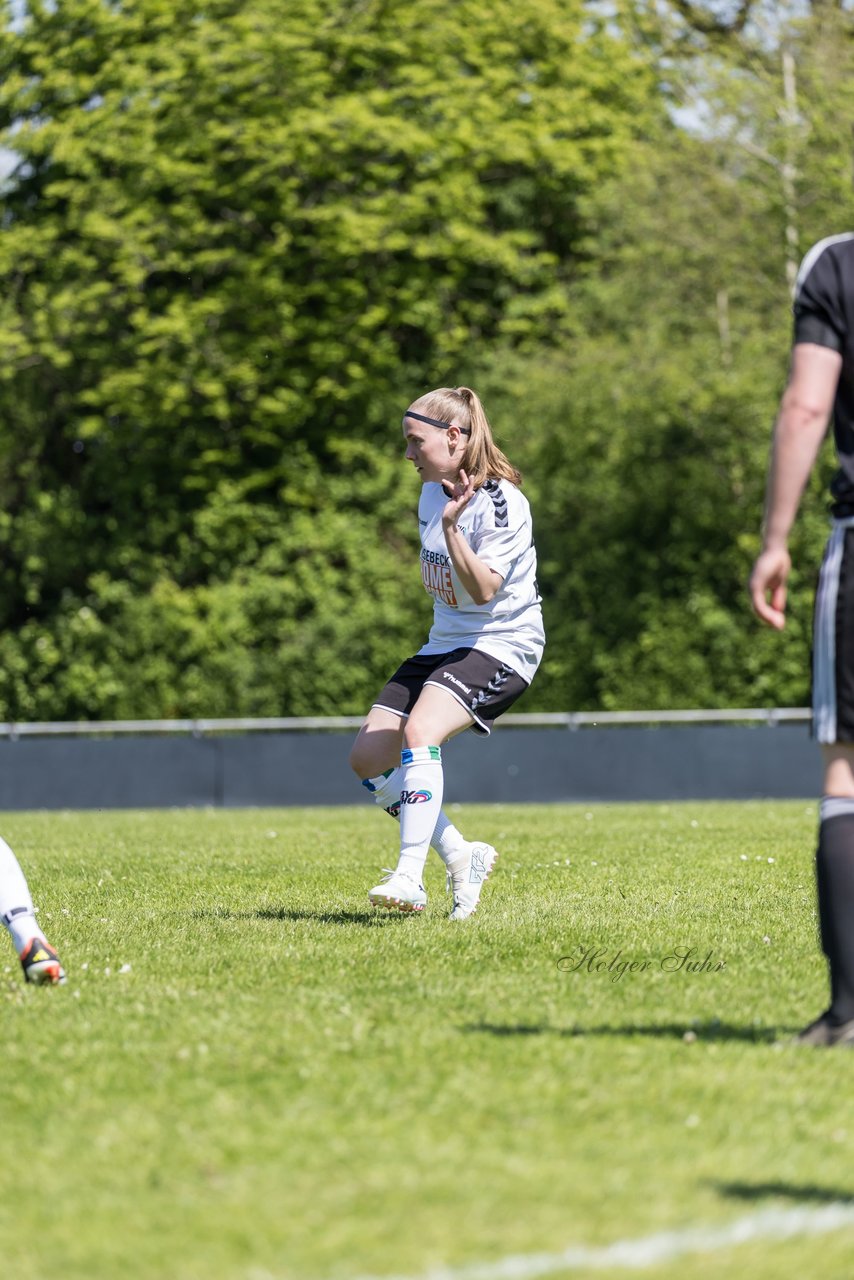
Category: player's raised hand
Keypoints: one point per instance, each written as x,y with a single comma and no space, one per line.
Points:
459,493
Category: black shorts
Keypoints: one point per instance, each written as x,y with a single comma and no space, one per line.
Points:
483,685
833,640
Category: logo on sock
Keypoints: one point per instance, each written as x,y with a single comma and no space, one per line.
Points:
394,809
415,797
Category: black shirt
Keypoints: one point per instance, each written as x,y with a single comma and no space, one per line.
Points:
824,314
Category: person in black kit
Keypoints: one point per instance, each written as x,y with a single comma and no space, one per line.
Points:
821,383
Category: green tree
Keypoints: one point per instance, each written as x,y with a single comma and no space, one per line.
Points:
238,238
646,442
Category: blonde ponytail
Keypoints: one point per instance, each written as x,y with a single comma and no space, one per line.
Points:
483,460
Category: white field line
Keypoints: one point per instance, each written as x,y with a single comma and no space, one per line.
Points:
768,1224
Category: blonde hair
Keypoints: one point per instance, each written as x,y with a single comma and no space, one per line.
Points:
483,460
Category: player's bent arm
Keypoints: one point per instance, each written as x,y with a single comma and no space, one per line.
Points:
479,580
800,428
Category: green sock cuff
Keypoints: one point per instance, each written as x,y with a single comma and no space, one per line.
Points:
421,755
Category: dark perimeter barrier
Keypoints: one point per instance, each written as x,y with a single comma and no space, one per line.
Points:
549,758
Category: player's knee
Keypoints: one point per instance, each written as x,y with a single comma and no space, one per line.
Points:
359,761
418,733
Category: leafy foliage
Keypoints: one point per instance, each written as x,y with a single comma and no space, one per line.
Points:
240,237
645,446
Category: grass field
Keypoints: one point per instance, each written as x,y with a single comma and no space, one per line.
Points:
251,1075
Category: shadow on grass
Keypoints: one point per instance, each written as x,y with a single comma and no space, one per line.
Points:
369,916
786,1190
712,1030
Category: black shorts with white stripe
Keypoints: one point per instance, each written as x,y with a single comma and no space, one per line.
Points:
480,683
833,640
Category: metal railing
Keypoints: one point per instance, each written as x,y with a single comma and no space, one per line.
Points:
571,720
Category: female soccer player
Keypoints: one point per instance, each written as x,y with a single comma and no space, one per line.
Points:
38,959
479,565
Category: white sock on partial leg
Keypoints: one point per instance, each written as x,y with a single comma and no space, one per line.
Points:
16,905
448,842
446,839
421,785
386,790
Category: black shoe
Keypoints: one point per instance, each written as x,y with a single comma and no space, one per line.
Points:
41,964
826,1034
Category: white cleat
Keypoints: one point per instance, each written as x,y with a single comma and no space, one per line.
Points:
399,892
468,881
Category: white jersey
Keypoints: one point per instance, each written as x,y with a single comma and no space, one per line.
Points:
497,526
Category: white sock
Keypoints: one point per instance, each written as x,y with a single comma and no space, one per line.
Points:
447,840
421,785
16,905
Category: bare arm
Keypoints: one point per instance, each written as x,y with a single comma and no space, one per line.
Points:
798,434
479,580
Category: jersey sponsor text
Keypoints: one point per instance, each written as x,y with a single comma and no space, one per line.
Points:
438,581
